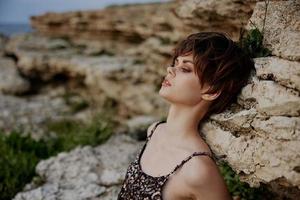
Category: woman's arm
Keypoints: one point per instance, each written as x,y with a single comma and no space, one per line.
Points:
205,181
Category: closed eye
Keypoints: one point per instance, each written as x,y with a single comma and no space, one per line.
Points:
182,68
185,70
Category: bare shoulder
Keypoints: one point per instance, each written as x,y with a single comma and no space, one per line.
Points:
151,127
204,180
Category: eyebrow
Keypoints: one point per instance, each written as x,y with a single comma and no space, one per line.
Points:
185,61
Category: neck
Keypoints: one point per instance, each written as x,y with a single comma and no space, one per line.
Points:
182,121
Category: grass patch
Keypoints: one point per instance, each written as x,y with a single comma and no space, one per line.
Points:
20,154
71,134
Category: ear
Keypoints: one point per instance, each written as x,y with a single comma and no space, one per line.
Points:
211,97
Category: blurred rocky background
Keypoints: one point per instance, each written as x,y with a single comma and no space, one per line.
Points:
83,88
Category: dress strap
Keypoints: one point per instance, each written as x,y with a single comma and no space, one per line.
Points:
152,131
189,157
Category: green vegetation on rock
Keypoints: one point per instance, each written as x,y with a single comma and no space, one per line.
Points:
20,154
240,189
252,43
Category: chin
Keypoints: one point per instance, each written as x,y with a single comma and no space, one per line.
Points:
175,99
166,97
162,94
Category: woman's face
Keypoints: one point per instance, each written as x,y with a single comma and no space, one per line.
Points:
184,85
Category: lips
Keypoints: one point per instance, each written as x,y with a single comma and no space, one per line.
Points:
166,82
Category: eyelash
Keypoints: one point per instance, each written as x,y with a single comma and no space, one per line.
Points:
183,69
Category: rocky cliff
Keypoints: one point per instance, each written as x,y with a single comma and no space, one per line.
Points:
119,54
261,141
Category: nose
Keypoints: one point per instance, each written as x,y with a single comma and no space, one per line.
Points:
171,70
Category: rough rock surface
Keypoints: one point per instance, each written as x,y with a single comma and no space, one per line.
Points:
261,139
99,75
284,72
276,99
263,148
85,172
282,27
145,20
221,15
30,115
138,125
91,53
259,135
10,80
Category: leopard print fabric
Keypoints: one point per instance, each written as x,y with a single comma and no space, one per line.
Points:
138,185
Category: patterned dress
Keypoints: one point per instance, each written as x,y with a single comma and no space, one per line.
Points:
138,185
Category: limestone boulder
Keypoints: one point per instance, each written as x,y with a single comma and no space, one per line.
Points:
30,115
85,172
223,15
11,82
260,156
281,27
123,61
284,72
271,98
260,135
133,24
119,77
138,125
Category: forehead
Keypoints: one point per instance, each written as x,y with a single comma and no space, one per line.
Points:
185,58
188,57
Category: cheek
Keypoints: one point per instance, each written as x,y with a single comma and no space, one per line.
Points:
191,89
188,84
185,91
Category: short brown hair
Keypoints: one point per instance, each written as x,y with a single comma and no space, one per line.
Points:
220,63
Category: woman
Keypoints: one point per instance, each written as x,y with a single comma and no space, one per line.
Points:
207,72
